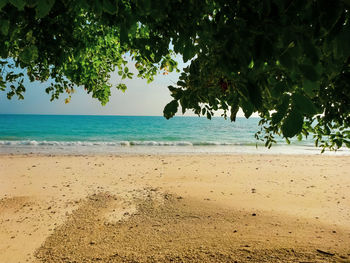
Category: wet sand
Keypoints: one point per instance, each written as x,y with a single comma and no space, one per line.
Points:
180,208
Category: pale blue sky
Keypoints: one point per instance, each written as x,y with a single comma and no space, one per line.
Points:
139,99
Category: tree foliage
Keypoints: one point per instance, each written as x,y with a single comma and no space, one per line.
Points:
288,60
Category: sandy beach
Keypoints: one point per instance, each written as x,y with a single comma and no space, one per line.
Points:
174,208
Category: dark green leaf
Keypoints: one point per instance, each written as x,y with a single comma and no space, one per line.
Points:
234,110
43,7
255,95
310,87
124,34
310,51
281,110
342,43
170,109
3,3
293,124
208,115
19,4
309,72
287,61
303,104
247,108
110,6
4,26
188,52
347,2
29,54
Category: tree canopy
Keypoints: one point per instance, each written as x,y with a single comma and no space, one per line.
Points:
287,60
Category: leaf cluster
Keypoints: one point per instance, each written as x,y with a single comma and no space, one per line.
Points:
287,60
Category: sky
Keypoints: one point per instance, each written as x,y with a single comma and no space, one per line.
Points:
141,99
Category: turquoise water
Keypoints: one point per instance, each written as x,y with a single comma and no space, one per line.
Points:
109,134
136,129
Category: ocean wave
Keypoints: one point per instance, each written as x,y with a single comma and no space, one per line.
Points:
114,143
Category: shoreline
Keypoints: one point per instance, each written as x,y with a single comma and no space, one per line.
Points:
335,154
173,150
275,203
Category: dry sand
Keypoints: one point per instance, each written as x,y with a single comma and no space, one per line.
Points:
180,208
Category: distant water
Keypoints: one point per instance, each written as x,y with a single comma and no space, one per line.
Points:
75,134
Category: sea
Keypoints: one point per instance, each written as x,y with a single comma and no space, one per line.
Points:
91,134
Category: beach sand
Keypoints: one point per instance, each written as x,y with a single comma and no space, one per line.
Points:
174,208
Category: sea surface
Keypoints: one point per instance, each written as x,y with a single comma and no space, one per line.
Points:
78,134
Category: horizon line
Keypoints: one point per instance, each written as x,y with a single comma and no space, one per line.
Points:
117,115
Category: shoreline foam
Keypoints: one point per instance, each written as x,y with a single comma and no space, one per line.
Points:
155,147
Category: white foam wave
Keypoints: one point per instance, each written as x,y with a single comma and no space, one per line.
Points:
110,143
86,147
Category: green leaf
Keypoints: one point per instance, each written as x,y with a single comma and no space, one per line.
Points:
188,52
347,2
342,43
123,34
29,54
181,83
234,110
208,115
122,87
281,110
170,109
251,65
303,104
109,6
43,7
19,4
310,87
31,3
292,124
146,6
309,72
247,108
3,3
255,95
287,61
278,88
310,51
4,26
